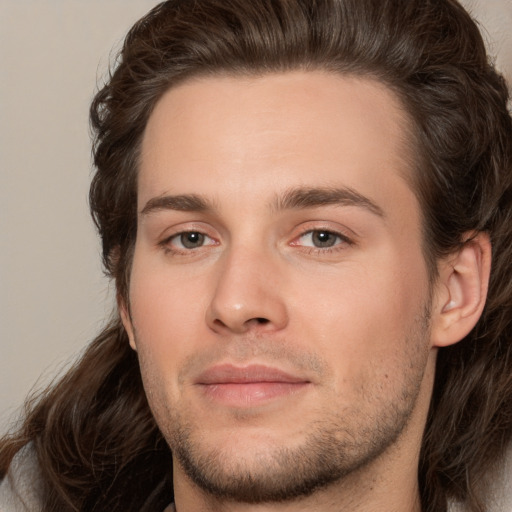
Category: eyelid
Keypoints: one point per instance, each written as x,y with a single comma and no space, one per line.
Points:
181,233
346,235
178,228
165,241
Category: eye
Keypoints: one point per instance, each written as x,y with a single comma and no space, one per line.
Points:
321,239
189,240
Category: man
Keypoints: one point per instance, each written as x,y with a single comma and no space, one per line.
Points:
297,201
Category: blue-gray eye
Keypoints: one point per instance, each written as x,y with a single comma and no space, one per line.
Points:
324,238
191,239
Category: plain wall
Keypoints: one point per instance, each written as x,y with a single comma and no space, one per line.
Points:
53,298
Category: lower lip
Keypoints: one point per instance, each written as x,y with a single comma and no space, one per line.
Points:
251,393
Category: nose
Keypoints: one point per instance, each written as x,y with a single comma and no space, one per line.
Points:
248,295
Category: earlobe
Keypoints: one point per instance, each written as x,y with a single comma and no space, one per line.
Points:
127,321
461,291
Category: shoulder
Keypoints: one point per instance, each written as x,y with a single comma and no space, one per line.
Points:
20,490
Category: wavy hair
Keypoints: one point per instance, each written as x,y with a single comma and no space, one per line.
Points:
97,444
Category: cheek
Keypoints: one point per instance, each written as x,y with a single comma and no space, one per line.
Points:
165,317
364,317
167,312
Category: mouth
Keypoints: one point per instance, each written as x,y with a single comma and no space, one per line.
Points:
249,385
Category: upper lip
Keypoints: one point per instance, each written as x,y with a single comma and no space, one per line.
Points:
230,374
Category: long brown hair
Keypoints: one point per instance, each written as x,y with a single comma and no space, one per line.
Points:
96,441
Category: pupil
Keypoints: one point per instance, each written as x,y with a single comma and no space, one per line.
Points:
192,240
323,239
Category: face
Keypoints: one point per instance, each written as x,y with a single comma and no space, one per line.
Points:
279,296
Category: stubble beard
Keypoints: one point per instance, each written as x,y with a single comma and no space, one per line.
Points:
327,456
337,446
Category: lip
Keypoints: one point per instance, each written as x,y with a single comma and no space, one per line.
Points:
230,374
251,385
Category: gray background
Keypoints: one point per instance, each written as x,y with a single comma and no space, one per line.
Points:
53,297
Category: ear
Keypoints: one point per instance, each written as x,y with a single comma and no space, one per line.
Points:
124,311
461,290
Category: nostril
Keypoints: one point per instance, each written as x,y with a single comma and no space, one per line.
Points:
257,320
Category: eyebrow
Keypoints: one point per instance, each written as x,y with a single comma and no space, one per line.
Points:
183,203
306,197
293,199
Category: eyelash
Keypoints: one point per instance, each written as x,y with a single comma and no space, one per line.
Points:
169,249
342,242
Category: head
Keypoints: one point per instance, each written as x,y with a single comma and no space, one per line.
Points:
421,71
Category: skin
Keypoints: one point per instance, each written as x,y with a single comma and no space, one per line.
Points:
333,291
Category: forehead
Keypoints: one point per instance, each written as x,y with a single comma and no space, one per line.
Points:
251,136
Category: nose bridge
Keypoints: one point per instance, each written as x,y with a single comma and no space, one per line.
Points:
247,293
